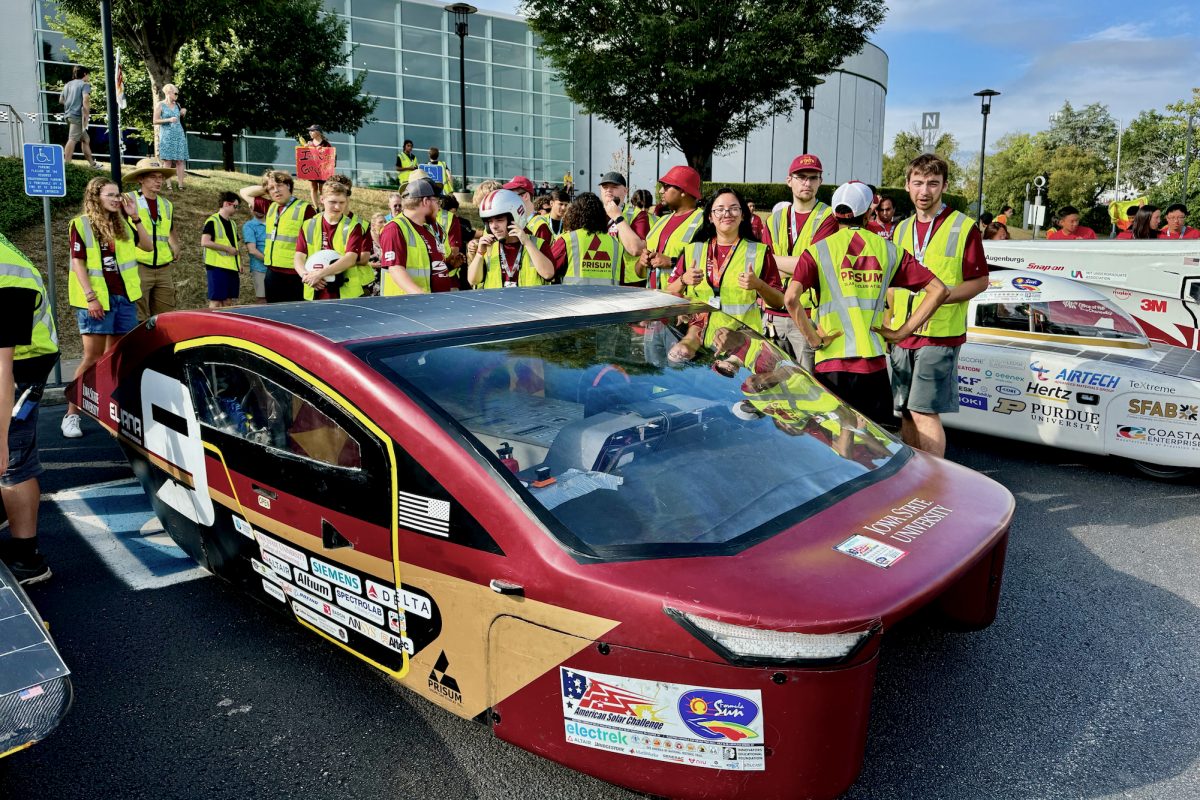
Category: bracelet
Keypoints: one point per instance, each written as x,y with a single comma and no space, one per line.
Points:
90,297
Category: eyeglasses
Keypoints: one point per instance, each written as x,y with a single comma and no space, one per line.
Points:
670,186
731,211
806,178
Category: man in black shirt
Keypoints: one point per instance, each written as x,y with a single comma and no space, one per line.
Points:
28,351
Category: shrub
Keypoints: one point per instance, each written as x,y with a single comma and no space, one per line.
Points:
19,209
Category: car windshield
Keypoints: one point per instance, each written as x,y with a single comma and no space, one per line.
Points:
636,439
1061,317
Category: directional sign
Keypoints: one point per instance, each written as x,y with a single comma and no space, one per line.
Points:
45,170
931,120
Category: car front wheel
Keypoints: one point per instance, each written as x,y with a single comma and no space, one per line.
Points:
1162,473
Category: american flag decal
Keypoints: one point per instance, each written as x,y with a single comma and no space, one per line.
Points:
423,514
1191,262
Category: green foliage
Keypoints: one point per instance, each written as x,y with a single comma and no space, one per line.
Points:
19,209
692,75
766,195
1090,129
907,146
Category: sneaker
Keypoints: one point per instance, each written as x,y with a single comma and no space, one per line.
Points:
35,570
71,428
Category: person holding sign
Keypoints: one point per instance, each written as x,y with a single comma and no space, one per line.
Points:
435,160
316,138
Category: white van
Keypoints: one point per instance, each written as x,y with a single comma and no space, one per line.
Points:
1157,283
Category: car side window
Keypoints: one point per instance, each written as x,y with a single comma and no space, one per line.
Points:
1005,316
239,402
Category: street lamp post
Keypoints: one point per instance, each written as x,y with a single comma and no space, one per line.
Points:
461,12
985,107
807,96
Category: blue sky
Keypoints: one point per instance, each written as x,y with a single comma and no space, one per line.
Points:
1128,55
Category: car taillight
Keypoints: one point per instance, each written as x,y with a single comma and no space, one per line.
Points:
755,646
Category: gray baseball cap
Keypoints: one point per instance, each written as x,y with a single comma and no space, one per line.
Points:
612,177
420,188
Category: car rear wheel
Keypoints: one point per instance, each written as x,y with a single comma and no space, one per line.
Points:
1159,472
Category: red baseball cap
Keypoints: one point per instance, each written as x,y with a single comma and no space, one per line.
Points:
520,183
686,178
805,163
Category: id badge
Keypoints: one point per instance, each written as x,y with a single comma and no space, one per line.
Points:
510,284
715,302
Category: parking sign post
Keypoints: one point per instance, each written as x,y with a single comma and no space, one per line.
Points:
46,177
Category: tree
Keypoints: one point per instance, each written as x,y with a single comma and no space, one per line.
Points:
1090,128
1018,159
234,74
150,31
700,76
907,146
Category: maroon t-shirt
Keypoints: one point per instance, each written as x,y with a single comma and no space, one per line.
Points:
974,265
828,226
910,274
717,262
640,224
108,261
353,245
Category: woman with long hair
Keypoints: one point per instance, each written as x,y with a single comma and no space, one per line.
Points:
104,283
586,253
172,141
995,230
644,200
1145,224
726,266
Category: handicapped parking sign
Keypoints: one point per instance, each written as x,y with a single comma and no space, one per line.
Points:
45,170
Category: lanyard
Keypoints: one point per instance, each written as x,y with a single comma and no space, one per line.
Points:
719,267
919,247
793,228
510,273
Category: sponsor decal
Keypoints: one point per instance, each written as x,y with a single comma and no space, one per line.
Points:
440,681
972,401
336,575
263,570
278,565
270,588
425,514
395,621
286,552
1011,391
1024,284
964,380
1066,417
314,585
1007,405
389,640
323,623
1150,387
1100,277
361,606
1041,372
907,522
112,411
131,426
241,526
1080,377
1087,399
1039,268
1159,437
689,725
1158,409
967,368
91,400
720,716
1049,392
415,604
871,551
384,595
1153,306
1003,376
1122,294
1130,432
265,502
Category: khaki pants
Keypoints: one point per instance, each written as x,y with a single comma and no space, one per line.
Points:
158,291
784,333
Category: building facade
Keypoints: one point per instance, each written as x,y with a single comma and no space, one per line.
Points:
519,121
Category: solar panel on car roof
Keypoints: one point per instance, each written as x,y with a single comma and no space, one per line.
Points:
375,317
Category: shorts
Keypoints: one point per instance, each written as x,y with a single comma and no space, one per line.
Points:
260,284
119,320
23,463
925,380
223,284
75,130
868,393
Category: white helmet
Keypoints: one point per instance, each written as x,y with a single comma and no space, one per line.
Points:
320,259
504,201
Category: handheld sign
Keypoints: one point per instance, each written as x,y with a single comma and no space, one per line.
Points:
45,170
435,172
315,163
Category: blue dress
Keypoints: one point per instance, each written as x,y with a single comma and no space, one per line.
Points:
172,141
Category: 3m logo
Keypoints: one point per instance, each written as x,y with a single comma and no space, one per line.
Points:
1007,406
1156,306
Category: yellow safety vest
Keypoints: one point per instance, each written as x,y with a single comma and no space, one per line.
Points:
283,231
593,259
527,275
736,302
779,225
16,271
364,273
536,223
126,264
448,183
943,257
629,275
416,262
211,257
160,230
407,165
853,292
794,400
672,247
442,237
348,281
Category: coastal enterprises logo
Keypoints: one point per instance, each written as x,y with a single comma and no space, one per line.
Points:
1160,437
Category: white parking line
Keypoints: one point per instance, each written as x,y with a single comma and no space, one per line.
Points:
115,518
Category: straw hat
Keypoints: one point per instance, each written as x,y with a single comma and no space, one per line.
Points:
148,166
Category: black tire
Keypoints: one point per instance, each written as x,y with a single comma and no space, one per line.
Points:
1161,473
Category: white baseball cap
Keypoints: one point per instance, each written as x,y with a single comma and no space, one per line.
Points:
856,196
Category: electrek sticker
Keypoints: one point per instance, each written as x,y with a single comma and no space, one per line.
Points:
680,724
244,528
317,621
284,551
336,575
871,551
364,608
314,585
273,590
